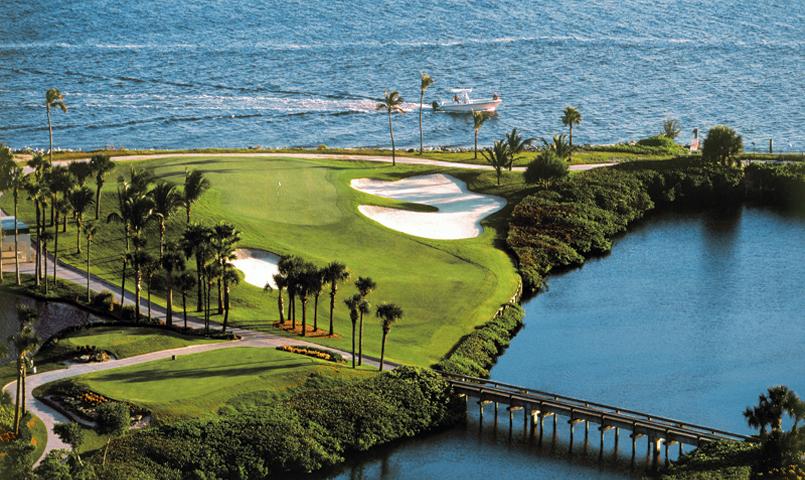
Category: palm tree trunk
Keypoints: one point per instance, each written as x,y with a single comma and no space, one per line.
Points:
169,302
2,236
571,135
421,136
98,199
304,315
88,249
393,148
187,211
45,266
207,321
38,255
360,341
475,154
280,306
23,410
17,399
497,172
332,306
16,239
382,351
123,277
184,308
220,298
78,223
353,344
315,312
148,294
137,285
226,306
199,285
55,247
50,133
161,237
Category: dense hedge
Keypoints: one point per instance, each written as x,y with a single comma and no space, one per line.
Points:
477,352
560,226
314,427
716,460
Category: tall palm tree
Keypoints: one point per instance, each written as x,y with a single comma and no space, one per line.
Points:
425,81
195,184
89,231
772,405
101,166
352,304
498,157
25,343
173,263
80,200
334,273
185,283
53,99
516,145
392,103
38,193
571,117
365,286
388,313
281,282
194,239
223,241
46,237
290,267
166,200
139,260
478,119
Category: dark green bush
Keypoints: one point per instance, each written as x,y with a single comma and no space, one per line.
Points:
716,460
661,141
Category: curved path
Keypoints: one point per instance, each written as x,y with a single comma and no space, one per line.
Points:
330,156
50,416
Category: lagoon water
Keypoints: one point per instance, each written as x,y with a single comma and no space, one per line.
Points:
179,73
691,316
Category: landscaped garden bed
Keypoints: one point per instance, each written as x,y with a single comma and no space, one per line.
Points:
81,403
319,353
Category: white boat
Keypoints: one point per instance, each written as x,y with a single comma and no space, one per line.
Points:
461,103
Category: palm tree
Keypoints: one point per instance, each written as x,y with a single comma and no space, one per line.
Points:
53,99
352,303
230,278
38,193
173,262
392,103
80,200
365,286
671,128
17,181
101,166
195,184
388,313
516,144
498,157
223,242
59,181
281,282
425,81
478,119
193,240
571,117
150,267
772,405
46,236
89,232
166,200
289,267
25,343
139,261
334,273
560,146
185,283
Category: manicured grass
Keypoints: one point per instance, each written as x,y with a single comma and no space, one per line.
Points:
129,342
199,384
307,208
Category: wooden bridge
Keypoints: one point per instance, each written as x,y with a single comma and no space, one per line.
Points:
536,405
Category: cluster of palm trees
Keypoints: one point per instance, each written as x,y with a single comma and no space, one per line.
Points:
302,280
781,448
25,343
503,152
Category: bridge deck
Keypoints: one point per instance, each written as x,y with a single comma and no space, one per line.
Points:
608,416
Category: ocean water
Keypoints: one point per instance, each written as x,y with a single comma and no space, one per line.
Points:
179,73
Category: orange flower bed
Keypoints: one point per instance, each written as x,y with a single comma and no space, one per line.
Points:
6,437
93,398
311,352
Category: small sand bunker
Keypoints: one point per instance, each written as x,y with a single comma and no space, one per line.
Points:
258,266
460,210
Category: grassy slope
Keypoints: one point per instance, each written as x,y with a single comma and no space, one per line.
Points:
199,384
128,342
307,208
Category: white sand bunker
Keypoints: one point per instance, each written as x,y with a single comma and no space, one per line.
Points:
460,210
258,266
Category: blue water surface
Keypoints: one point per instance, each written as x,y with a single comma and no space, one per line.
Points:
179,73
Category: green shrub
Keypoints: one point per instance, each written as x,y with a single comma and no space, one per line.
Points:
103,301
660,141
546,167
715,460
722,145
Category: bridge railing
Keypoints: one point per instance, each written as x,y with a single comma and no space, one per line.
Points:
530,394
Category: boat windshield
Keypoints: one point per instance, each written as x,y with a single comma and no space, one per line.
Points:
461,95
